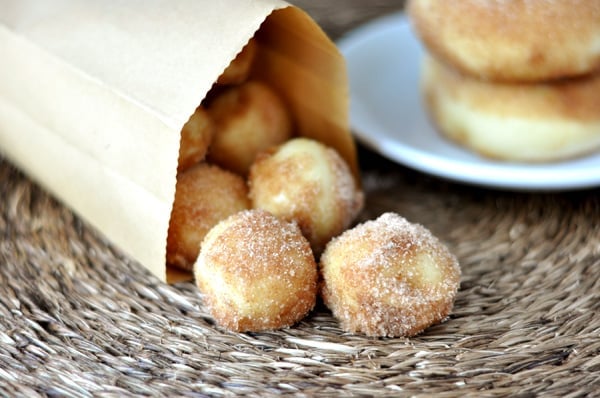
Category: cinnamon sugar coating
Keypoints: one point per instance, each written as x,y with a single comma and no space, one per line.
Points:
196,136
388,277
249,118
205,194
542,122
505,40
256,272
309,183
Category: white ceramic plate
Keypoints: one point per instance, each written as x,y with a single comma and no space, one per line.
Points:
387,115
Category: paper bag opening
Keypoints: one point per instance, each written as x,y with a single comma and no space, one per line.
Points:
296,59
93,96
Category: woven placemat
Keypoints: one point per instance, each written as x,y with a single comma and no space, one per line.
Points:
79,318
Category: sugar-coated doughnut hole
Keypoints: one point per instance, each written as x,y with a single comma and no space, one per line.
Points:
205,194
388,277
256,272
249,118
306,182
196,136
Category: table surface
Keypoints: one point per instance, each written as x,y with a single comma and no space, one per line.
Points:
80,318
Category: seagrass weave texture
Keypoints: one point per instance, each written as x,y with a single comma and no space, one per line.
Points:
79,318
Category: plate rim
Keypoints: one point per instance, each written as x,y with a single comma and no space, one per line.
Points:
533,177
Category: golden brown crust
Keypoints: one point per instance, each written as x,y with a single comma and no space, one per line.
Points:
249,119
205,194
196,136
256,272
308,183
573,99
522,122
388,277
511,40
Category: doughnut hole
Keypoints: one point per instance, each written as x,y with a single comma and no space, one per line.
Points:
388,277
256,272
306,182
249,119
204,195
196,136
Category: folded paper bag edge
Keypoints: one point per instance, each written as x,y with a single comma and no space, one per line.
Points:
54,126
162,54
143,233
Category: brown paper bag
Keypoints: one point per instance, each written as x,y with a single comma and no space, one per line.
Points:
93,96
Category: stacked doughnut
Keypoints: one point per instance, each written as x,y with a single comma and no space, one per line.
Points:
513,80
